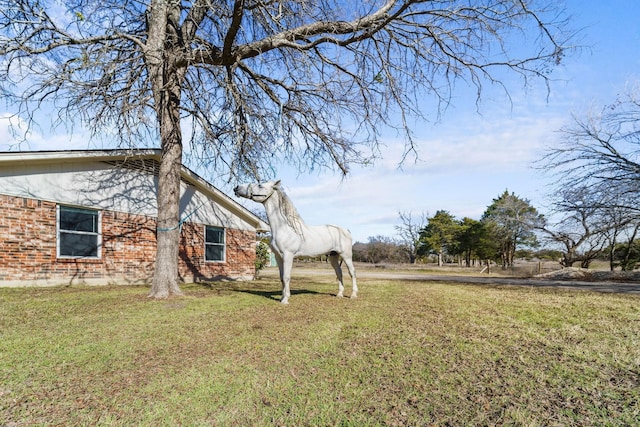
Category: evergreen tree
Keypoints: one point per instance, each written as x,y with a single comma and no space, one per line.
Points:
438,236
469,240
511,222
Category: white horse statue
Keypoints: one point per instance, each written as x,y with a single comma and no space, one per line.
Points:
291,237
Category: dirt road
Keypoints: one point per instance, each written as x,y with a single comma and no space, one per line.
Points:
632,288
617,287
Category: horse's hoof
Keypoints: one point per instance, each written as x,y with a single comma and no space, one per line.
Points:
354,296
339,295
284,302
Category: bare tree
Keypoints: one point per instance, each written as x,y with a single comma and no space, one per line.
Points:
382,249
581,229
409,233
621,227
601,149
594,224
313,81
596,165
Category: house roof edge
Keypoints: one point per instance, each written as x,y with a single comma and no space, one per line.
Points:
44,156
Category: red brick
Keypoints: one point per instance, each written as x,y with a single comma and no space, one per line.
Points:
28,247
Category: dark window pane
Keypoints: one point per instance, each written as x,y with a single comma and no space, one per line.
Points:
214,235
78,231
78,220
214,253
80,245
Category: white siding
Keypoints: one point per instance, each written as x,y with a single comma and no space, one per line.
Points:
98,185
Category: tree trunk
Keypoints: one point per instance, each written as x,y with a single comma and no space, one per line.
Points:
612,257
626,263
511,253
166,277
568,257
161,55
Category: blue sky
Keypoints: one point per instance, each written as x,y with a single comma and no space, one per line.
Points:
468,157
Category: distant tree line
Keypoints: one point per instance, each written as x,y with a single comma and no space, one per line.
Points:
509,223
594,207
594,211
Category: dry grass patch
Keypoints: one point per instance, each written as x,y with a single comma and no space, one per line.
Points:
402,354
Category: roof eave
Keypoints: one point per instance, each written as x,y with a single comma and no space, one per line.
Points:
225,201
74,155
47,156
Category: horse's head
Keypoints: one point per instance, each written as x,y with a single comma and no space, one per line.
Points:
257,192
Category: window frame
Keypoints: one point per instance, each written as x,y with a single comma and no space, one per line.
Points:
60,231
223,230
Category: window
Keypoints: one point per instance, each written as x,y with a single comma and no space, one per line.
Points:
213,243
78,232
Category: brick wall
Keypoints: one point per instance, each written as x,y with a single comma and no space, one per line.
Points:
239,260
27,238
28,248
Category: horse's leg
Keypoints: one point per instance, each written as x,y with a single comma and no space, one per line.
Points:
335,263
352,273
287,265
279,262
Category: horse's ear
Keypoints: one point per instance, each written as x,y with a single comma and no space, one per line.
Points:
277,183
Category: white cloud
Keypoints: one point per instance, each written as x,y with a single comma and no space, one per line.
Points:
463,166
17,135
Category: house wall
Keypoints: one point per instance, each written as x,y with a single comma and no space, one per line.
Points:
99,185
239,258
28,249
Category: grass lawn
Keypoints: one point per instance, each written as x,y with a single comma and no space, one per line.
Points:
404,353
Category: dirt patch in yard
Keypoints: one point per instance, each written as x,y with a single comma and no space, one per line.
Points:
572,273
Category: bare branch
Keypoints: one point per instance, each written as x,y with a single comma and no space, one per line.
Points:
260,81
316,80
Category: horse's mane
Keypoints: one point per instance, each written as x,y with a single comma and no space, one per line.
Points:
289,211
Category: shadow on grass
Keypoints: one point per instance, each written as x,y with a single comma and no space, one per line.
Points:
262,290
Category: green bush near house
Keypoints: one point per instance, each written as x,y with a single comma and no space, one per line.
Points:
262,256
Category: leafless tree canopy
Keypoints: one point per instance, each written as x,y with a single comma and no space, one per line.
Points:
409,233
597,168
601,149
312,81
